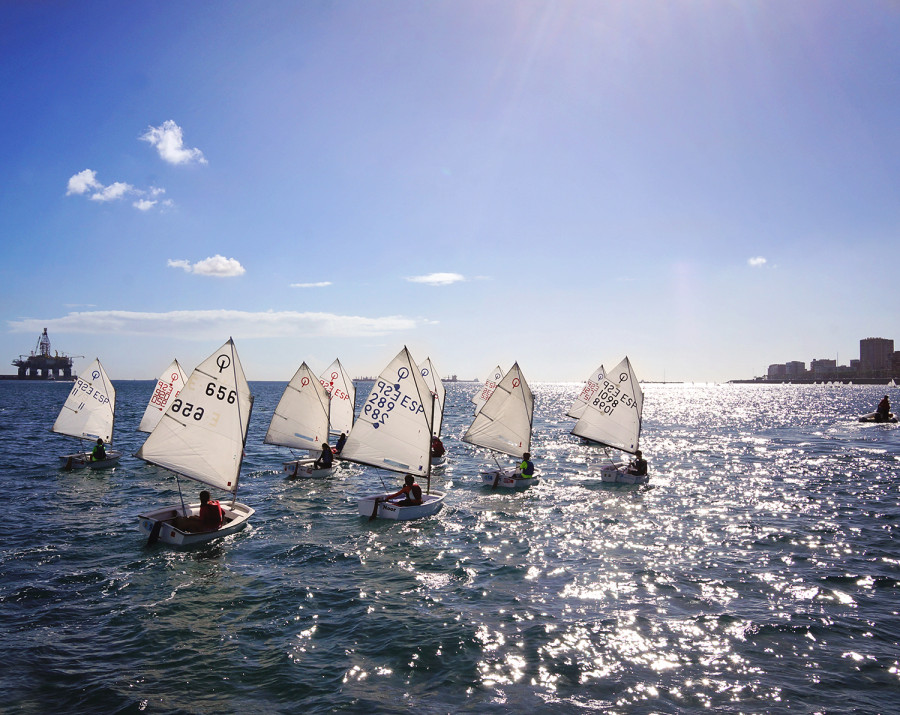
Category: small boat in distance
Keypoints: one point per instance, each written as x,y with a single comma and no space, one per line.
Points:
167,388
201,436
393,432
613,419
503,424
300,421
89,414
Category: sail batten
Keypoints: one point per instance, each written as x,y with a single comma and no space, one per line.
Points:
613,417
504,421
89,409
203,431
394,427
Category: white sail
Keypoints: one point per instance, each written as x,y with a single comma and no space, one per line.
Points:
167,388
90,408
487,388
301,417
203,431
613,417
340,387
436,385
591,386
393,430
504,421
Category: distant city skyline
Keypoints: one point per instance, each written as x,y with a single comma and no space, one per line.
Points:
877,359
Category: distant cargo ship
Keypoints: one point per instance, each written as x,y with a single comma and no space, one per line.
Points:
42,364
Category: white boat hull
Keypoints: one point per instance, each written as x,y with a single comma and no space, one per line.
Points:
82,460
303,468
875,417
508,479
432,504
617,474
438,461
236,517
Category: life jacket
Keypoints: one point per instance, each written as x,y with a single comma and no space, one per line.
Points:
527,468
415,493
98,454
211,515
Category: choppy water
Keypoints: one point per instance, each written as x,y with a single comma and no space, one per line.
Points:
759,573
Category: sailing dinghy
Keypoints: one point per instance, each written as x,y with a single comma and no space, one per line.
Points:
436,385
201,436
167,388
342,392
301,422
613,419
393,432
88,414
503,424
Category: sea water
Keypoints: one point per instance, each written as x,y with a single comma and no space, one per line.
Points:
757,572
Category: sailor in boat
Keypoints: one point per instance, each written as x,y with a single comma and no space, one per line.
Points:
638,465
526,468
437,448
98,453
210,518
324,460
412,491
883,411
340,443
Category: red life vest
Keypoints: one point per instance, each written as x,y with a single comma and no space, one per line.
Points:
211,515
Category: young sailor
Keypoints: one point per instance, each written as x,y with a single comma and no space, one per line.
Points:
526,468
638,465
98,454
412,491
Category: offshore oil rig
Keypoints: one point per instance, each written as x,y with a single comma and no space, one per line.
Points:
42,365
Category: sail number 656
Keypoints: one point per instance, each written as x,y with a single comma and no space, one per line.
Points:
229,395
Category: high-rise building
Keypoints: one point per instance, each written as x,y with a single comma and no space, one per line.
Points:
875,357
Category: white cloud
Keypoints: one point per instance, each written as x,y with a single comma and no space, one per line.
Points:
112,192
85,182
321,284
756,262
217,265
82,182
169,142
437,279
213,324
186,265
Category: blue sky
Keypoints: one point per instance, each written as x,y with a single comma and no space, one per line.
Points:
706,186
